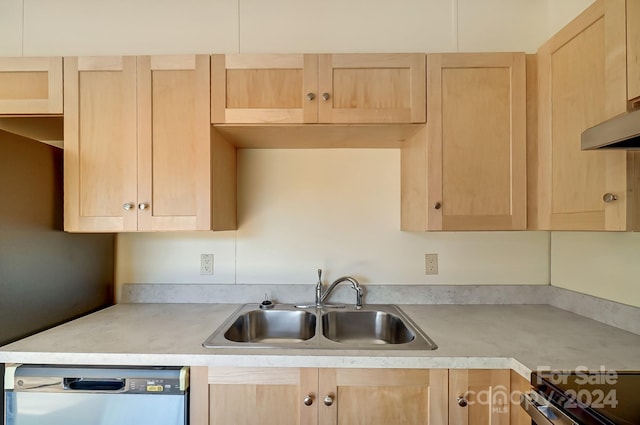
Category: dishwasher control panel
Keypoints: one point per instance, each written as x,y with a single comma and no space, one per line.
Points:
106,379
157,386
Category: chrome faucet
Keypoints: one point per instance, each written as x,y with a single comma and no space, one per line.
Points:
321,295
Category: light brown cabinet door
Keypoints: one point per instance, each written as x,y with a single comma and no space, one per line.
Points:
467,171
333,89
174,152
382,396
138,151
519,386
478,397
372,88
31,85
100,149
268,396
633,50
272,89
582,82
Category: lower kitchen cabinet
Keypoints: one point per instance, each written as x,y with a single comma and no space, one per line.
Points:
282,396
519,385
268,396
382,396
479,396
311,396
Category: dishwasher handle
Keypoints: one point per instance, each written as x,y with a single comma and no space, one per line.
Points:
542,412
88,384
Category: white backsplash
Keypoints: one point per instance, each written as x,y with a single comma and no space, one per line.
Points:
615,314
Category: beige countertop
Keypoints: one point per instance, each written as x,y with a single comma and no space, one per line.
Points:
519,337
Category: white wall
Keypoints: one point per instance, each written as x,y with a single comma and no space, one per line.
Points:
11,28
603,264
562,12
336,209
82,27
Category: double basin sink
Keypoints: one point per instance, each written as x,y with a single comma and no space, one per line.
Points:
384,327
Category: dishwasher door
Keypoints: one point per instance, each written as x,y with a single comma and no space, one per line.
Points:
37,395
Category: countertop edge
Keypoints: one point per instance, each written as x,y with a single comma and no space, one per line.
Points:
269,360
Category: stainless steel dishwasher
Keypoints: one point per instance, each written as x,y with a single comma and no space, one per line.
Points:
70,395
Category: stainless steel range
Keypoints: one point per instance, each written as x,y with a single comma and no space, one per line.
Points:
584,398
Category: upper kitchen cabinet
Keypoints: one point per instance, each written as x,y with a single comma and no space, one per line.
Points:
332,89
30,85
633,51
582,81
138,150
371,88
467,169
264,88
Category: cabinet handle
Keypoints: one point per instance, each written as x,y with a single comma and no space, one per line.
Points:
311,96
326,96
609,197
128,206
437,205
308,400
328,400
143,206
462,402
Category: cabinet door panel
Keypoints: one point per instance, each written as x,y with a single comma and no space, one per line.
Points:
272,405
275,396
100,144
372,88
572,182
174,143
481,95
383,396
487,393
577,104
264,88
31,85
477,142
519,385
633,50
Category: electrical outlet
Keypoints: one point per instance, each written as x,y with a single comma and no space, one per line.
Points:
206,263
430,263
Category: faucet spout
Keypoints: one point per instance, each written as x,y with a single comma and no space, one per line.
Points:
354,285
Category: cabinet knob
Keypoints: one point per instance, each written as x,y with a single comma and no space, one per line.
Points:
437,205
311,96
328,400
308,400
462,402
128,206
609,197
326,96
143,206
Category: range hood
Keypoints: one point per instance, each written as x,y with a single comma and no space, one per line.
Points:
620,132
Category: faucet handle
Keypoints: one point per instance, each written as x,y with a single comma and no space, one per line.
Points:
319,288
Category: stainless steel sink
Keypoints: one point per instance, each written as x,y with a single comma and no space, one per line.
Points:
272,326
381,327
374,326
371,327
284,325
